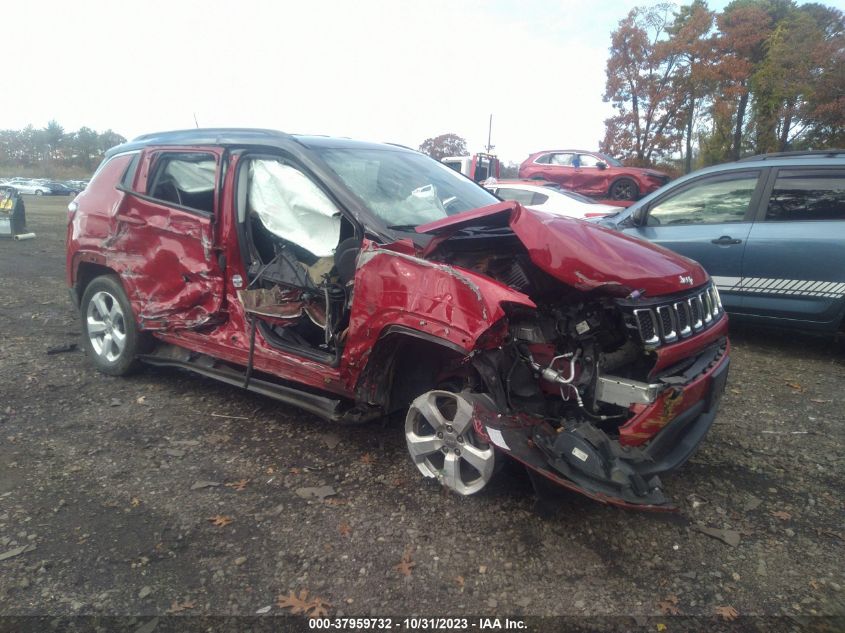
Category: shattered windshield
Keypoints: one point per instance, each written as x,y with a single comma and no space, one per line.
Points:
405,189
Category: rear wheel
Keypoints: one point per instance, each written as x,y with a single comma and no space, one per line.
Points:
109,333
38,192
624,189
444,444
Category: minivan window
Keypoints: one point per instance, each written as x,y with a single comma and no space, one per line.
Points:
800,195
714,201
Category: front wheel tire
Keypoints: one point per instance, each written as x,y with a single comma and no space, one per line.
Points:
109,333
443,443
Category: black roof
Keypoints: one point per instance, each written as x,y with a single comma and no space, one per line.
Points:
242,136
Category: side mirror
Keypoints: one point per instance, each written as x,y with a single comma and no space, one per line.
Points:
640,215
601,165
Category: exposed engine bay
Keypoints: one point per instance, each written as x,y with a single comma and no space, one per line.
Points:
572,358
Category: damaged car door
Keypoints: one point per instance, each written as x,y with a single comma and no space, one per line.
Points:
166,229
291,231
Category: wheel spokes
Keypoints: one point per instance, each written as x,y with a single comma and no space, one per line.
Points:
463,416
421,446
119,339
99,302
428,409
105,346
95,327
479,458
451,473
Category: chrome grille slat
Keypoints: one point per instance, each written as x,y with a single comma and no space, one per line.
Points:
683,312
671,322
667,320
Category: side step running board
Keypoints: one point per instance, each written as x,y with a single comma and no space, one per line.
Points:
172,356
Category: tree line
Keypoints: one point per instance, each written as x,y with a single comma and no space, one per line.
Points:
761,76
50,148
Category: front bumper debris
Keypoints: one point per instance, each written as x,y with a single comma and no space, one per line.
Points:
623,471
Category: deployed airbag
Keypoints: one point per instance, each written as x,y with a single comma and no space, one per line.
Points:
292,207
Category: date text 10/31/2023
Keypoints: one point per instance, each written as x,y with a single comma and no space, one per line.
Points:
417,624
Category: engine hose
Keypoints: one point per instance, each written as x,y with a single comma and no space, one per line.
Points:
601,418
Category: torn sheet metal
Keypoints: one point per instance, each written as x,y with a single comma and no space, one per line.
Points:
446,302
281,304
580,254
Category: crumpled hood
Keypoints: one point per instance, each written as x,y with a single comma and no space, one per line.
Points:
580,254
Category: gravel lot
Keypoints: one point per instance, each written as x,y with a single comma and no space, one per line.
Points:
109,488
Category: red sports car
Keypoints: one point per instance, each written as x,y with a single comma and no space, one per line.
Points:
592,174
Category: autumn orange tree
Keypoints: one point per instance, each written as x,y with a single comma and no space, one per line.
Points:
691,42
639,85
760,76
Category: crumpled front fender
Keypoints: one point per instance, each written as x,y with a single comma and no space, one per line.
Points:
445,302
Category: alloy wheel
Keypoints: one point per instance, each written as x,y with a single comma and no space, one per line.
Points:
106,326
443,442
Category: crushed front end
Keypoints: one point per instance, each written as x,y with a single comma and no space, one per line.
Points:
584,396
599,389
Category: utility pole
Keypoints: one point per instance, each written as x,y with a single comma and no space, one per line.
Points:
489,135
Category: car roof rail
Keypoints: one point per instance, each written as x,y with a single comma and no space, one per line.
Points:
813,153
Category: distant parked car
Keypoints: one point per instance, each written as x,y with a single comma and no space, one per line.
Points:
34,187
77,186
535,195
592,174
769,229
61,189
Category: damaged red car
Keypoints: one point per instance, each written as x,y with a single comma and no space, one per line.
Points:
359,280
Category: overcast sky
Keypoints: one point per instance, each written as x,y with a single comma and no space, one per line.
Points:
385,71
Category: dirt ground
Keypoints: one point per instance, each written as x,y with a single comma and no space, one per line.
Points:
168,492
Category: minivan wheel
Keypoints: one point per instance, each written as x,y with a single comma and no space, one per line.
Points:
109,333
443,443
38,192
624,189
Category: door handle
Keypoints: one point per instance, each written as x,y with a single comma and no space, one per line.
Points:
725,240
131,220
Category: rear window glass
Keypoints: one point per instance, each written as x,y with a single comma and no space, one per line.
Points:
803,195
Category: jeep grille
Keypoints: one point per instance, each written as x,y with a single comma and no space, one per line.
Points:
666,323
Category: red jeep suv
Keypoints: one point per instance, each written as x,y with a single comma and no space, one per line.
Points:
358,280
592,174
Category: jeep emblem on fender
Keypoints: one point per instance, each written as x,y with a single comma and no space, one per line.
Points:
685,280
